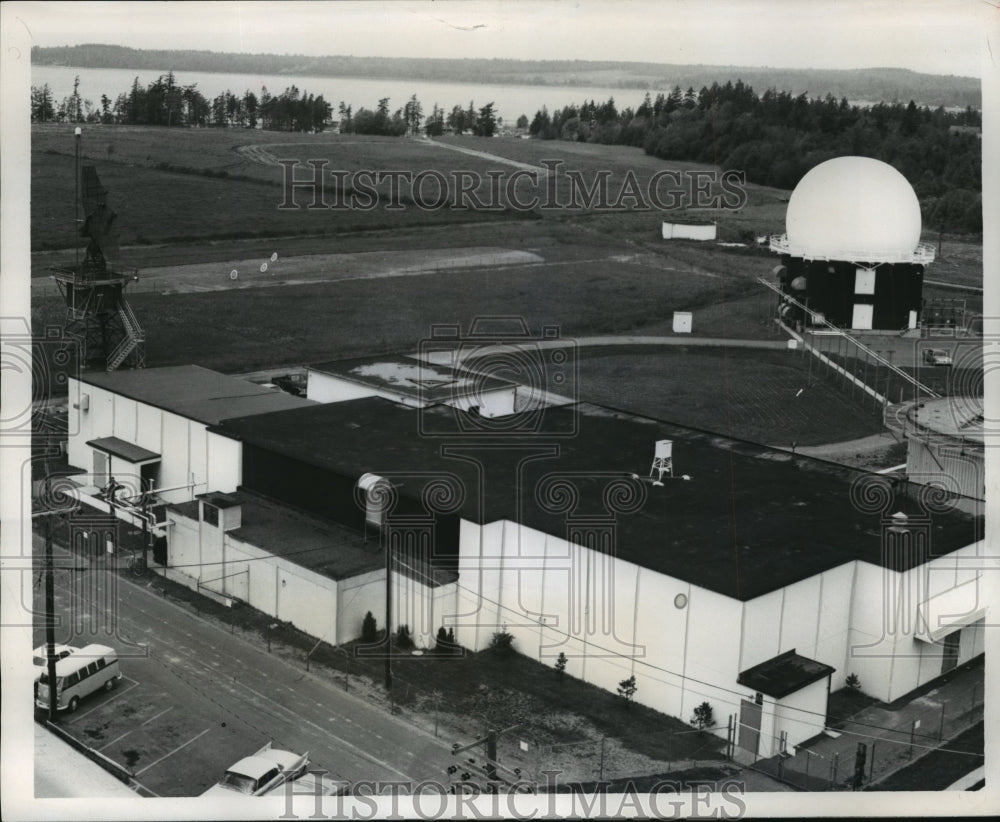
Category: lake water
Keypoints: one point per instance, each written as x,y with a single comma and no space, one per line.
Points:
510,101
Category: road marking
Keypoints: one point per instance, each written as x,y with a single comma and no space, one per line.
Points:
119,693
353,748
161,713
175,750
113,741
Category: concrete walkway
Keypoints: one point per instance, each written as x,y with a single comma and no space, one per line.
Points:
895,734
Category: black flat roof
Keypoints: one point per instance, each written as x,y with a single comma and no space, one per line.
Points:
308,541
194,392
784,674
751,520
123,449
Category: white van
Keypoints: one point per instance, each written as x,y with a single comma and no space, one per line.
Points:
91,668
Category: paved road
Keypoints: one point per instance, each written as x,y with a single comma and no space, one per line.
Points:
196,698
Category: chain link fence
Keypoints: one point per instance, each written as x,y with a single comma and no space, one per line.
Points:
876,743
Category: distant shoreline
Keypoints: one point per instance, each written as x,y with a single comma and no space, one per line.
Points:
886,84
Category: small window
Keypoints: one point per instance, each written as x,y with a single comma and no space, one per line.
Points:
759,698
101,663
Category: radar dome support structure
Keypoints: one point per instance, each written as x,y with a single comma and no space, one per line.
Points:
98,317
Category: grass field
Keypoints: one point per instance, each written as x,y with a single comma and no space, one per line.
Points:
249,329
187,184
743,393
188,187
206,195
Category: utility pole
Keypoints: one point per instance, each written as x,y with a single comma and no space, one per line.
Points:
50,619
388,614
50,601
76,199
490,743
600,778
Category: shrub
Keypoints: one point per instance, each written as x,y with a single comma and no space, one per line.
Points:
853,682
403,640
369,628
703,716
627,689
502,641
561,664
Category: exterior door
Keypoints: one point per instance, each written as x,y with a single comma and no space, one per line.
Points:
949,658
749,738
862,317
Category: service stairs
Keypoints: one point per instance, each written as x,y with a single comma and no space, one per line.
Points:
134,339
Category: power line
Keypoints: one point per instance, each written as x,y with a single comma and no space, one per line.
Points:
426,579
684,677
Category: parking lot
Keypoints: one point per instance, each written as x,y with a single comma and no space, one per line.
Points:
194,699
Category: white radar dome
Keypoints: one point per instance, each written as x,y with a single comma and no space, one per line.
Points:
853,208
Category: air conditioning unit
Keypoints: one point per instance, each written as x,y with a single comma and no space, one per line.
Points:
84,403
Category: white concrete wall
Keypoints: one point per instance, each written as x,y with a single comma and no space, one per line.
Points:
529,582
225,462
327,388
268,583
810,617
97,417
534,585
184,445
491,404
801,715
883,649
356,596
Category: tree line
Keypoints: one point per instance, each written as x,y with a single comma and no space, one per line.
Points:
164,102
776,137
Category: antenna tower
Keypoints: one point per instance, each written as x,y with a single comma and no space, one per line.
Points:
98,317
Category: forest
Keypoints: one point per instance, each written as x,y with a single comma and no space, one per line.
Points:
776,138
165,103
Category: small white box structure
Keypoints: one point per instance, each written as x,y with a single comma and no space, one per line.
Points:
663,459
688,230
682,322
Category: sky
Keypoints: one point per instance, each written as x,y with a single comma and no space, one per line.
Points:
935,36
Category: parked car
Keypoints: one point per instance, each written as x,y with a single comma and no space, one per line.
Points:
937,356
261,773
40,660
313,783
78,675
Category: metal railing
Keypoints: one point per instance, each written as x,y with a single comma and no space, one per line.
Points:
922,254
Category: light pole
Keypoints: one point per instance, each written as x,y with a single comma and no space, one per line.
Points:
388,614
50,618
76,198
